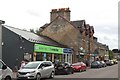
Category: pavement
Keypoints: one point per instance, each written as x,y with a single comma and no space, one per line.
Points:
14,75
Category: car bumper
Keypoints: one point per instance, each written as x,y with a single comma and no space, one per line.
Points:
26,76
76,69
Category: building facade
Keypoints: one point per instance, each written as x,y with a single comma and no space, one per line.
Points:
17,45
74,34
101,50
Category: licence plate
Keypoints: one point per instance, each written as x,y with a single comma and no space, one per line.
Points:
60,67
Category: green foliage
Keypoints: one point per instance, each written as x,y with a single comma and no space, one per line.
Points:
32,30
111,55
37,31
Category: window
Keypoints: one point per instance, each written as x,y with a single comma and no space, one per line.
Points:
48,64
42,65
1,65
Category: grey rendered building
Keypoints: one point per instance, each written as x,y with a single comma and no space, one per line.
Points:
17,44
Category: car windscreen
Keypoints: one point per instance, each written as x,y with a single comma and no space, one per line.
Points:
31,65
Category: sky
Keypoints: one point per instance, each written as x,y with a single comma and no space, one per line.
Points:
32,14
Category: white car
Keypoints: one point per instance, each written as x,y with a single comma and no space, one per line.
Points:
5,72
37,70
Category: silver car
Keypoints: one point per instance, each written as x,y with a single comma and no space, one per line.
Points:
5,72
36,70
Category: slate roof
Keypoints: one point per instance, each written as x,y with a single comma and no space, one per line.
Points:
78,23
32,37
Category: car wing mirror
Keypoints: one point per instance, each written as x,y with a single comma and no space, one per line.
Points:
42,67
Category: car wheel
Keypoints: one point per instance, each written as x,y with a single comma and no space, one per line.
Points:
72,72
68,72
85,69
8,78
52,74
38,77
80,70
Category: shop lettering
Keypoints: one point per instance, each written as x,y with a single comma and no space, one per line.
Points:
54,49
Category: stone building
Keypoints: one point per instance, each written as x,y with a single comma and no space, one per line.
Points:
75,34
116,53
101,51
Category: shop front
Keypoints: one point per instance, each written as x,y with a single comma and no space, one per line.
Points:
50,53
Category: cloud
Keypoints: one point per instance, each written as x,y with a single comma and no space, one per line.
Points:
101,14
106,38
33,13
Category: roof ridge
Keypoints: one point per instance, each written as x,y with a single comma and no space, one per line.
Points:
17,28
78,20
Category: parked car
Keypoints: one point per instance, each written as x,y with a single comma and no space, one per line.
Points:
115,61
79,66
36,70
64,68
103,63
112,62
5,72
108,62
96,64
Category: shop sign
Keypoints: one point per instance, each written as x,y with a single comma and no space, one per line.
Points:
48,49
67,50
82,54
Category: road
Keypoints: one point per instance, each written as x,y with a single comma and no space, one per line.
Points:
107,72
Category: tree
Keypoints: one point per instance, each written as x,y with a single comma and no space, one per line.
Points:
115,50
32,30
111,55
37,31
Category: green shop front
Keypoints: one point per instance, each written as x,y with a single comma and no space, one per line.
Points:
52,53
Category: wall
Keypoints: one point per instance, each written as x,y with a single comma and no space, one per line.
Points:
14,48
65,33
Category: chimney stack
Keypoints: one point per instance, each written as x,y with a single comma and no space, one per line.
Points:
64,12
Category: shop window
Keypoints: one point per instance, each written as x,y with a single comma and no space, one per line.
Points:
49,57
39,57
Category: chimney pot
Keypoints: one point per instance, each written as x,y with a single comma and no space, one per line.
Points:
54,10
